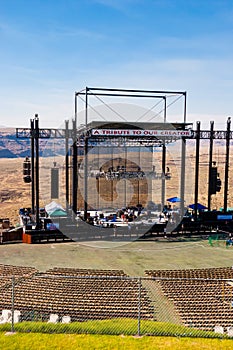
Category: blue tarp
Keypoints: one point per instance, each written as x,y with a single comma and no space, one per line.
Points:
199,206
173,199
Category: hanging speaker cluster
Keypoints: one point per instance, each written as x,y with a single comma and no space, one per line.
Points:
27,170
54,182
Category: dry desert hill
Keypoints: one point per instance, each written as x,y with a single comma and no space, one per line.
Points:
15,193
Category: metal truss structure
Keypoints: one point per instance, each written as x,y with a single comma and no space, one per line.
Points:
45,133
83,139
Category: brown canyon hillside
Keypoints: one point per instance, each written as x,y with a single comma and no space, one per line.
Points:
14,193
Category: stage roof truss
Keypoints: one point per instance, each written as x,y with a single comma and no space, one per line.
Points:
25,133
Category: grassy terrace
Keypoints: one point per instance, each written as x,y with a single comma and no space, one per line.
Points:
39,341
134,258
112,327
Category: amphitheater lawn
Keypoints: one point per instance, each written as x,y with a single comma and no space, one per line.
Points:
33,341
133,257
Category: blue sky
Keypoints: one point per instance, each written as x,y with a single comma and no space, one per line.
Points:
50,49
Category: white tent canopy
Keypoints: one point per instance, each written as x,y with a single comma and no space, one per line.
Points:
51,207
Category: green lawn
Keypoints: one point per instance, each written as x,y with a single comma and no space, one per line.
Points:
32,341
134,258
118,326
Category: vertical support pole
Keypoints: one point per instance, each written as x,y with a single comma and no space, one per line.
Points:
125,191
98,180
185,106
85,157
86,105
210,162
228,134
139,164
139,305
183,155
182,177
32,166
67,164
85,176
37,170
164,158
112,180
74,161
197,168
12,304
76,109
163,174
